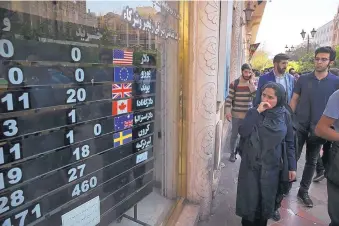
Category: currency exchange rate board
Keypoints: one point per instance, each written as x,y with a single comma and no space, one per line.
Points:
76,125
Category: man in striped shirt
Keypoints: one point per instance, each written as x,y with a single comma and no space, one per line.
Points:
238,102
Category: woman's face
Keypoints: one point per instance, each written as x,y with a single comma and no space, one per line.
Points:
268,95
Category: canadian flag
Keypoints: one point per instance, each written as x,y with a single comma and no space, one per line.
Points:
121,106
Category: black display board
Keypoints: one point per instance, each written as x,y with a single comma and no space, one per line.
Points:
76,124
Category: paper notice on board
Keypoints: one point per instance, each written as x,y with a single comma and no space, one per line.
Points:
87,214
142,157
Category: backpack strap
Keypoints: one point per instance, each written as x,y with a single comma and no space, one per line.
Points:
235,86
236,83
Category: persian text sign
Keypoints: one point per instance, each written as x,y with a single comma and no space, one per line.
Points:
149,25
87,214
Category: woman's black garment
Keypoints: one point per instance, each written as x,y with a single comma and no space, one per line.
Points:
257,222
266,137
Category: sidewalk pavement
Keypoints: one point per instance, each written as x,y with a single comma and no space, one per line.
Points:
293,213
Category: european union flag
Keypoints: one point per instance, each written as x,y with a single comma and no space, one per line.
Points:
123,137
123,122
123,74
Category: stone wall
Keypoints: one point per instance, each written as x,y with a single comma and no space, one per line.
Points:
203,113
236,39
202,108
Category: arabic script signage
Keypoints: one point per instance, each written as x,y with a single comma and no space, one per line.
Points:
164,6
149,25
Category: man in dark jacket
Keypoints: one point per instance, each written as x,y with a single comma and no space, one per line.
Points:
277,74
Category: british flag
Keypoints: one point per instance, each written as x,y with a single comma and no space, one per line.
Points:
121,90
129,123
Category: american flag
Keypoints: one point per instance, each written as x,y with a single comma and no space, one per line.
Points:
121,90
122,57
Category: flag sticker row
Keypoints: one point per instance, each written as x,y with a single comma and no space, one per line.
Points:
120,91
123,89
120,107
122,57
123,74
123,122
122,137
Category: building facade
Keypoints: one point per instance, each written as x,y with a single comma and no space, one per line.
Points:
112,113
335,35
324,34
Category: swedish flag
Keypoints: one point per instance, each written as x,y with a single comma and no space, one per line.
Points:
122,137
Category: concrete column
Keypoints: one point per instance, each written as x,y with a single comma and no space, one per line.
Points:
236,39
201,102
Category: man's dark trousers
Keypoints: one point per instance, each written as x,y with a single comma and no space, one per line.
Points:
322,160
313,147
333,203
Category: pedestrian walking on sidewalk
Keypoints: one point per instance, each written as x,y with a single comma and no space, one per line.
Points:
309,100
279,75
266,139
320,169
239,100
324,129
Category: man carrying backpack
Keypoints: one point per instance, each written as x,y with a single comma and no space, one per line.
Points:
324,129
239,101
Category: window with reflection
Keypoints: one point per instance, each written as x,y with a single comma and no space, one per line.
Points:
82,92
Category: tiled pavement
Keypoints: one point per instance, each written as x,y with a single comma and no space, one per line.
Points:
292,211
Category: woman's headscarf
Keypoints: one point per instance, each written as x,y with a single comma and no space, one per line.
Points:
275,117
272,127
279,92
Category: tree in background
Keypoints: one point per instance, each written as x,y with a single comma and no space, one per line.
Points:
337,59
301,60
293,64
300,51
260,60
307,62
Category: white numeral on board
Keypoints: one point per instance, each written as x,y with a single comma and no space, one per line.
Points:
22,216
71,114
8,99
6,48
73,172
15,76
12,128
24,99
76,54
79,75
97,129
13,176
83,153
7,24
16,199
76,95
70,137
84,186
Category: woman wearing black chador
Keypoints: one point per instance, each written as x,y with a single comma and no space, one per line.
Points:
267,156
